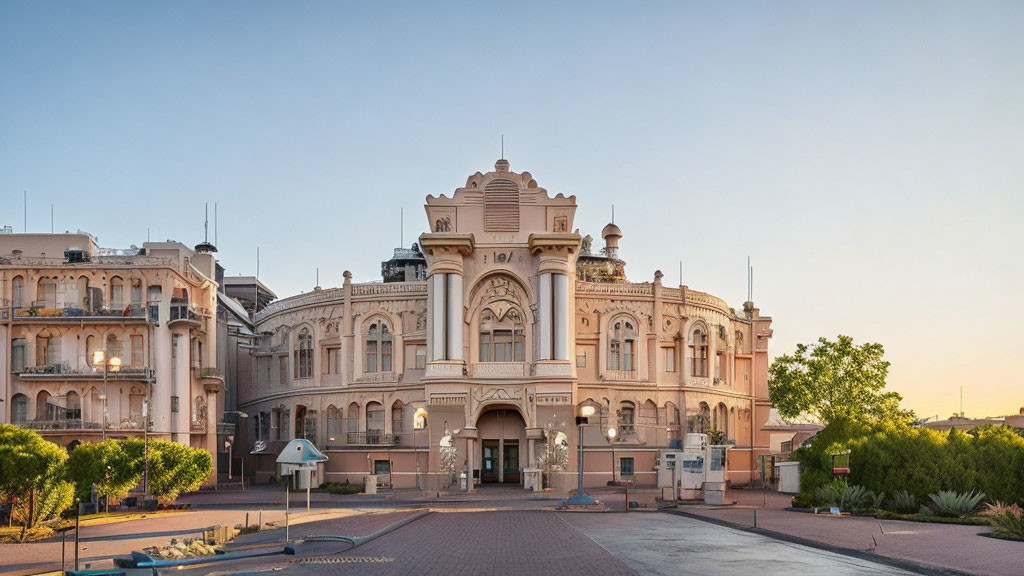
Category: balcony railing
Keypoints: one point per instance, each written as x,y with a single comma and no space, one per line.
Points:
132,311
371,438
79,424
63,370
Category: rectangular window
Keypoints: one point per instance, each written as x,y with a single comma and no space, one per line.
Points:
581,358
613,355
627,357
485,347
331,361
421,357
371,356
282,364
18,355
385,357
174,404
626,467
670,359
718,365
137,355
116,296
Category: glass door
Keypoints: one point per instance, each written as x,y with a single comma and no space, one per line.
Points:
510,462
490,461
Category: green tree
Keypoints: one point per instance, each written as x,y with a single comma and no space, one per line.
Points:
834,380
33,476
114,467
175,468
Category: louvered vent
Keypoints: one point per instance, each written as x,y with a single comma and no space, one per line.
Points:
501,206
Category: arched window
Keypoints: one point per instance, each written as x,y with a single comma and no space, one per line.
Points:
378,347
374,422
44,408
304,354
352,422
300,421
18,292
19,409
672,424
699,353
627,418
502,337
704,419
739,342
333,421
721,422
117,293
397,417
73,406
47,349
622,346
419,419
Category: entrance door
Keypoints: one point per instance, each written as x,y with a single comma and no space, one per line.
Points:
491,461
510,461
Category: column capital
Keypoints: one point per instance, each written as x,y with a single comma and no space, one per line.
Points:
445,251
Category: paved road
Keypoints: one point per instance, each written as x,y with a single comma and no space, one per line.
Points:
544,542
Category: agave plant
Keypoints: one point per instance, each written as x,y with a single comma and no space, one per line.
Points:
903,502
953,504
830,494
1007,520
856,498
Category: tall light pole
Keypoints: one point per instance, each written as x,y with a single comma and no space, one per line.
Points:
611,434
113,364
581,497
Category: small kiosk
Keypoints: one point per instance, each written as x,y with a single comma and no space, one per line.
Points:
301,461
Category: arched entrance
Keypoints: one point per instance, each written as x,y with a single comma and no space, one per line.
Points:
502,447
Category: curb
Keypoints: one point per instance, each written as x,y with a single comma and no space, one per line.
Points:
926,569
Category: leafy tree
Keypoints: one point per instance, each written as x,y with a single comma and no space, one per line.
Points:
834,380
175,468
114,467
32,475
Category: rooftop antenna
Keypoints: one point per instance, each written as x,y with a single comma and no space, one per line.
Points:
215,223
206,225
680,272
147,234
317,275
750,281
613,213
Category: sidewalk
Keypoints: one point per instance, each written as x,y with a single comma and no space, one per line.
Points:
948,547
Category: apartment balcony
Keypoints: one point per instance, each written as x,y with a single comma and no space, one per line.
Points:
42,313
80,425
210,379
63,372
182,315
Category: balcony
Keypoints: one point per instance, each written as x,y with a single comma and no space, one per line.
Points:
65,372
44,313
77,424
211,379
181,314
372,438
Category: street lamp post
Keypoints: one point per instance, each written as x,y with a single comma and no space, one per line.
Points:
112,364
581,497
611,434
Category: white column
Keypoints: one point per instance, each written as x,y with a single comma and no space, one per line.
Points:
437,317
453,328
182,389
544,312
561,316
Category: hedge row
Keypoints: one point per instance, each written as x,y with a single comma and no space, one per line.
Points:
889,457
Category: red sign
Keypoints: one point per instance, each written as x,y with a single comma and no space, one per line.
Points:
840,470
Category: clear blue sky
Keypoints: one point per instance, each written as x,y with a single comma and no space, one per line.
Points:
867,155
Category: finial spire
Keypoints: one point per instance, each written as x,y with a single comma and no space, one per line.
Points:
503,146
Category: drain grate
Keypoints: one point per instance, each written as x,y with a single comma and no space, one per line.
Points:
344,560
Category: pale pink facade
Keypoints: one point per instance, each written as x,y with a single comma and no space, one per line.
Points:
501,339
62,298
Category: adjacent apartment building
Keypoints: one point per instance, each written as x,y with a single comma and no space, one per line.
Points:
94,340
491,334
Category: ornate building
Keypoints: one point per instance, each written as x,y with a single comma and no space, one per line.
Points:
518,323
63,299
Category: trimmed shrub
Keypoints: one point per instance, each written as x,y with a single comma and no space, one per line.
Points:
893,458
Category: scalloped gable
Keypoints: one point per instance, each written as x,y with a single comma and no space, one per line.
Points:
501,206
